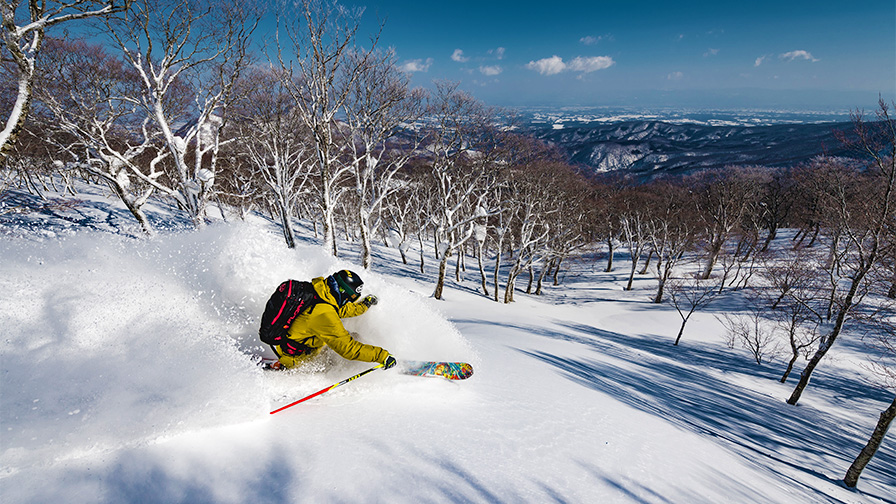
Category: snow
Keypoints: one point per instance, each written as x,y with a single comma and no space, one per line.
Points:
737,117
205,176
180,143
127,377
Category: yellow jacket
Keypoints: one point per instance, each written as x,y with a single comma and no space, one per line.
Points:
322,326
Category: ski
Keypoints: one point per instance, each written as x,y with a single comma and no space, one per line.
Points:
449,370
267,363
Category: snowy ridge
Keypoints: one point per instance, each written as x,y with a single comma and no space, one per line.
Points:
578,116
127,377
646,148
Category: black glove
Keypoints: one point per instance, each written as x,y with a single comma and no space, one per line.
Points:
389,362
369,300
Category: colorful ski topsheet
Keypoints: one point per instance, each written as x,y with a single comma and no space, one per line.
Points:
450,370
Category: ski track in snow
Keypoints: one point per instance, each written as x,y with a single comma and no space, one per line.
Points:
127,377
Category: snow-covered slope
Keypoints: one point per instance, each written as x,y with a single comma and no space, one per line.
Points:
127,377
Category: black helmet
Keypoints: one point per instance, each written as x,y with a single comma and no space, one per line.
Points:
345,285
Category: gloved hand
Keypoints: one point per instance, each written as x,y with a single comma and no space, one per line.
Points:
389,362
369,300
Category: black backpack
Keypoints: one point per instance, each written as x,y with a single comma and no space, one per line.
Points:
291,298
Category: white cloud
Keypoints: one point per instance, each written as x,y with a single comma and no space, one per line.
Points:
499,52
759,61
792,55
491,70
459,57
590,64
591,40
710,52
674,76
548,66
417,65
555,64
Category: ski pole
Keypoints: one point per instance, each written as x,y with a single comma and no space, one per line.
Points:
331,387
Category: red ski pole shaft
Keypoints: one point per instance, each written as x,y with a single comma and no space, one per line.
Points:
331,387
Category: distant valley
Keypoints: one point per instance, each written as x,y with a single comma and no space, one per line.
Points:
673,144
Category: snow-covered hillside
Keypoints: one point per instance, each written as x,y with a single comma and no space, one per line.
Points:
649,148
127,376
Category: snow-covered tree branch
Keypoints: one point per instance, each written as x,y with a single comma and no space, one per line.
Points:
277,143
91,96
25,23
379,106
320,58
188,55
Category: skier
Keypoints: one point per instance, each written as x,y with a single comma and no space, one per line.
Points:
320,325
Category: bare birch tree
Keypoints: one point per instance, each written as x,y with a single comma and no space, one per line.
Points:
318,38
775,203
569,223
870,449
400,209
605,217
25,23
790,297
176,43
882,342
461,141
633,216
91,96
752,331
536,196
276,143
723,200
863,218
670,230
689,294
380,104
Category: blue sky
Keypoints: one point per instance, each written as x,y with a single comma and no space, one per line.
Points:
817,55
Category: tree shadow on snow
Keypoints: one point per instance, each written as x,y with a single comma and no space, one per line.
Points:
694,387
64,214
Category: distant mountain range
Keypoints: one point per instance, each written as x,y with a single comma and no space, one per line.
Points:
648,148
